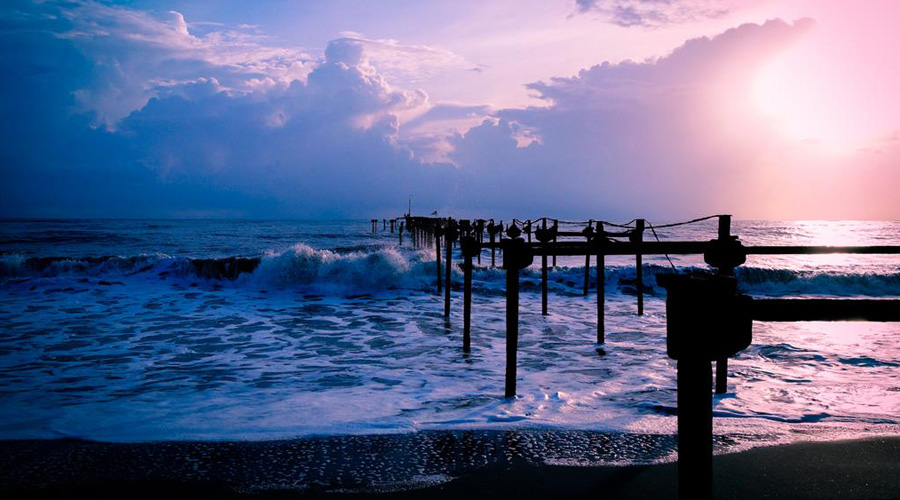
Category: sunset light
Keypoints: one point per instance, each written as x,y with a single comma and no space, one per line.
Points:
450,249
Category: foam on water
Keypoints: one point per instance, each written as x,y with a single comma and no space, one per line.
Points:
298,340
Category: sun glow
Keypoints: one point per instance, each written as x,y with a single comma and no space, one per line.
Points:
806,106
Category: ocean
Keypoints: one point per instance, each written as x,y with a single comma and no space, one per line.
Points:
219,330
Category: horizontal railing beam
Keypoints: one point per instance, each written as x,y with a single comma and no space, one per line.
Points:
825,310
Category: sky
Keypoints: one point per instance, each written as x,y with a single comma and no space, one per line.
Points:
665,109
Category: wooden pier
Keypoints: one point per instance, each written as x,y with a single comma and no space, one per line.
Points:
707,319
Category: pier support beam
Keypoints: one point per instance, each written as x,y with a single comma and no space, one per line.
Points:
601,293
469,246
450,233
639,265
515,258
438,232
695,446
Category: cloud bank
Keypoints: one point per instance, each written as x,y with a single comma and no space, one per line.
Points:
111,112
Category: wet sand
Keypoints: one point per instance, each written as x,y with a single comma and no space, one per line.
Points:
437,465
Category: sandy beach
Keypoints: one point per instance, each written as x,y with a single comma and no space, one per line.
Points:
856,469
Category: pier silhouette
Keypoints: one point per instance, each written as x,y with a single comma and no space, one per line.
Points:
708,319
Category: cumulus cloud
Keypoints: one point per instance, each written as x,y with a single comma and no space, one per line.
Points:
204,119
657,136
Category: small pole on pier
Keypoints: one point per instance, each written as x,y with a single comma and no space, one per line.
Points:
392,225
639,265
400,232
722,363
374,226
383,224
544,240
438,231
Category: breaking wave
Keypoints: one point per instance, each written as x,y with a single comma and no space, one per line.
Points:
385,268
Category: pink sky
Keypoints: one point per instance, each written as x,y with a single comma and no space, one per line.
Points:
762,108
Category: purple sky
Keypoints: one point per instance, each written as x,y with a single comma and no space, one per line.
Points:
589,108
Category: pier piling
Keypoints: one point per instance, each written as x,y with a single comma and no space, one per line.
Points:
639,264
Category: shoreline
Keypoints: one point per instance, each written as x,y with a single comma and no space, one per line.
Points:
441,464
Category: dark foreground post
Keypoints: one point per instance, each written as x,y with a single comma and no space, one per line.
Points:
515,257
695,446
706,319
392,225
400,232
639,265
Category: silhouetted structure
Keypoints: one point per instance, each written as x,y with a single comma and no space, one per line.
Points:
707,319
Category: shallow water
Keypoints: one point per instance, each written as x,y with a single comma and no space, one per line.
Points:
151,330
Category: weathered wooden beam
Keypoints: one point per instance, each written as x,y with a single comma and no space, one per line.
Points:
825,310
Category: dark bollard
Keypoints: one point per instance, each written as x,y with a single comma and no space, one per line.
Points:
438,232
450,234
400,233
469,246
383,224
639,265
392,226
706,319
516,258
374,226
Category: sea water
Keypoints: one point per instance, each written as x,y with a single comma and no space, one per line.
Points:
160,330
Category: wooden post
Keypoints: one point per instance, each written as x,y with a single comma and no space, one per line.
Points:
639,266
544,272
601,297
437,255
512,325
467,300
555,226
695,446
722,363
587,265
383,224
400,232
491,233
448,241
392,225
